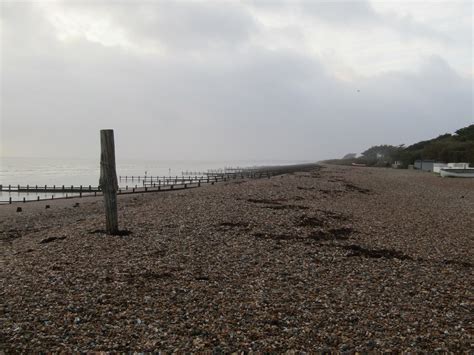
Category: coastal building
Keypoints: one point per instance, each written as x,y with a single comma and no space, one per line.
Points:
438,166
397,164
425,165
458,165
435,167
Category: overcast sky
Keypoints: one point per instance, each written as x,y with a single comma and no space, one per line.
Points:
232,79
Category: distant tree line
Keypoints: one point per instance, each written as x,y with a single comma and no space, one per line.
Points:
452,148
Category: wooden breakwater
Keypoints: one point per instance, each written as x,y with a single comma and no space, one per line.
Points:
219,174
167,180
207,178
151,183
75,192
46,188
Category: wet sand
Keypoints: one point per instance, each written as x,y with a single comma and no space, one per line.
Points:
339,258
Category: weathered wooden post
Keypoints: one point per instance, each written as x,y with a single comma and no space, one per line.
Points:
108,180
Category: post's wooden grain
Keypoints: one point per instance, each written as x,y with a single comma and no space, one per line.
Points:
108,180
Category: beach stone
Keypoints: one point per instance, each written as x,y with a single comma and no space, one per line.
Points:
19,209
344,347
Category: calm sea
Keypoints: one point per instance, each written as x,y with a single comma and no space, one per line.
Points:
43,171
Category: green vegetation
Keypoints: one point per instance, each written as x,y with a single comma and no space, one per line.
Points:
452,148
458,147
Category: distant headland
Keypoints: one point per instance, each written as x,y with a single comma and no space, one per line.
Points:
457,147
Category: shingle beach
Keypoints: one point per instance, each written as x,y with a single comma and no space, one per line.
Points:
337,258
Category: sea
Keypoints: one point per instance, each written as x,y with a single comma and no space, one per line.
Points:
85,172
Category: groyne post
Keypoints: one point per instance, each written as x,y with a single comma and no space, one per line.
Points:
108,180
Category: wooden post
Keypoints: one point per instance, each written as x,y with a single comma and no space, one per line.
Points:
108,180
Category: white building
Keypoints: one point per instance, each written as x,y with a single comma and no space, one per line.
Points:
458,165
438,166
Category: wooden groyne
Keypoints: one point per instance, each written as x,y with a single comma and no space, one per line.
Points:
46,188
75,193
152,183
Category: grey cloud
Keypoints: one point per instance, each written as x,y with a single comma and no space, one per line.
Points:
351,15
341,12
408,28
178,24
252,104
194,25
333,12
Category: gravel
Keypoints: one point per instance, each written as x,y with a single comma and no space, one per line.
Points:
334,259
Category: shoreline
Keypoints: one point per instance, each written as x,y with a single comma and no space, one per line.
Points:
168,185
